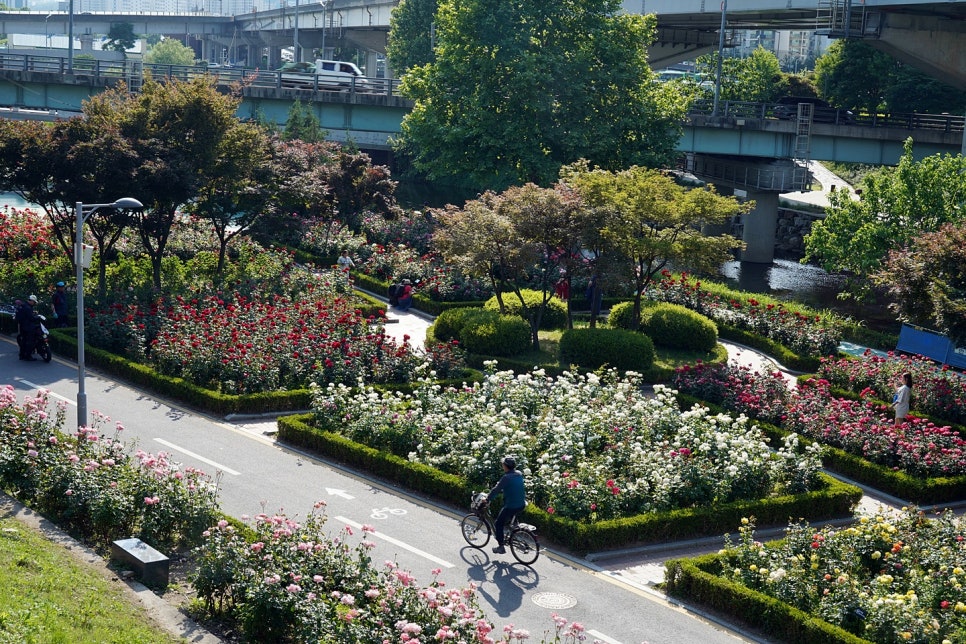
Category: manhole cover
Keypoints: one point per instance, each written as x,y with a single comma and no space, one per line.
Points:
555,601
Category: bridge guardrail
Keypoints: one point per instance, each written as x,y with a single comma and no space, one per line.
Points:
134,71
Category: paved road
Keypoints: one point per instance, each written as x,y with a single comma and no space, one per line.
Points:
257,475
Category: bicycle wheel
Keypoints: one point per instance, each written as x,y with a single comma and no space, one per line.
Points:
475,530
524,546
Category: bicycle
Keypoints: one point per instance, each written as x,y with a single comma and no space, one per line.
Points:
477,526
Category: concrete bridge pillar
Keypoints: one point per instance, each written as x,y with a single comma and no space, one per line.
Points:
758,231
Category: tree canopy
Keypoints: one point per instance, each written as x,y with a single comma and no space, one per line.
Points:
410,42
896,205
519,89
756,78
170,52
927,281
121,37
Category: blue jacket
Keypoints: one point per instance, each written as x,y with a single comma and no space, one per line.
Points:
514,492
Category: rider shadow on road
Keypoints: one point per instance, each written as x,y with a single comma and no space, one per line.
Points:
510,578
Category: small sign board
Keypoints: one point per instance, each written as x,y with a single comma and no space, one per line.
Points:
919,341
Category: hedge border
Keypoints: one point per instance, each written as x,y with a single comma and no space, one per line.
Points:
694,580
929,491
835,499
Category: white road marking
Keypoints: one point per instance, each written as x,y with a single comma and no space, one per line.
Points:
49,392
218,466
603,638
342,493
414,550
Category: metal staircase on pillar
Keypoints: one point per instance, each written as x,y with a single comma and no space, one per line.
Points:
803,146
843,19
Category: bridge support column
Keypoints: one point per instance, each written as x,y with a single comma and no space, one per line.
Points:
760,224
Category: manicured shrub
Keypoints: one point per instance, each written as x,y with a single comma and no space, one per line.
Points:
676,327
450,323
554,317
489,333
622,316
592,348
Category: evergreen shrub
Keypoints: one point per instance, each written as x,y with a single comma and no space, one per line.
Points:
492,334
677,327
592,348
554,317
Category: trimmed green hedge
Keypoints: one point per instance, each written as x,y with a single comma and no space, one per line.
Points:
785,356
420,302
554,315
695,580
594,348
836,499
678,327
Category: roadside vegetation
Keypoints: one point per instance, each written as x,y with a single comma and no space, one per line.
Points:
48,595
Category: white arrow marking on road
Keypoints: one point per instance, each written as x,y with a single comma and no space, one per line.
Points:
341,493
218,466
603,638
49,392
421,553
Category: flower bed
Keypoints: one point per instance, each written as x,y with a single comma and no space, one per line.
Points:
595,448
938,391
805,334
251,344
883,579
91,486
916,460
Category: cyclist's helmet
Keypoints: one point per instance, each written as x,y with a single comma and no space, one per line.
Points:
510,462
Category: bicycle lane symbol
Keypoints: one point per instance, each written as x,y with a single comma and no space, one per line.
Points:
383,513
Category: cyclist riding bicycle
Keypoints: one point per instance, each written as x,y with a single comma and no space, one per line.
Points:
514,498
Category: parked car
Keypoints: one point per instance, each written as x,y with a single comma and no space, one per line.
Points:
787,108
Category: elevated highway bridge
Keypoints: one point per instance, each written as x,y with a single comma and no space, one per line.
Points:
926,34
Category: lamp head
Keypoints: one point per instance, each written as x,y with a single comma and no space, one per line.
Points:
127,203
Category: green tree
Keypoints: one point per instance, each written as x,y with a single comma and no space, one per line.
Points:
170,52
927,281
854,76
649,221
896,205
519,89
237,192
302,124
410,42
756,78
121,37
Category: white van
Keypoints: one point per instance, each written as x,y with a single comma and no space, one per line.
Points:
325,73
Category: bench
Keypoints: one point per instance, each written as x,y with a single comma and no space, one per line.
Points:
149,564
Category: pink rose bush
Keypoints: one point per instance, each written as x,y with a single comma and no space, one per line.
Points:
91,485
937,391
884,578
593,447
861,427
806,335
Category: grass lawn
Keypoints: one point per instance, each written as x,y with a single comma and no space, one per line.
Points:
47,596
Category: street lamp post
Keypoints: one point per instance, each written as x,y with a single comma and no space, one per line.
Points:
296,50
324,3
721,43
81,213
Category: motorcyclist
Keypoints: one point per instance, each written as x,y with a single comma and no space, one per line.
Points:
28,322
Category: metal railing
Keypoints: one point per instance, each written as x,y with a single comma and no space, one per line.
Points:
134,72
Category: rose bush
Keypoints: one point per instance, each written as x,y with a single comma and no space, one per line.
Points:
91,485
885,578
938,390
594,447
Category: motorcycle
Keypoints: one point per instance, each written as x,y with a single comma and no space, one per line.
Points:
41,345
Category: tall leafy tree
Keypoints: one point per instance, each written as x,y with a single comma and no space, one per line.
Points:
518,89
896,205
649,221
170,52
302,124
121,37
854,76
756,78
410,42
927,281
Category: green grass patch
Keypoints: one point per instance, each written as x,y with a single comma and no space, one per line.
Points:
46,595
